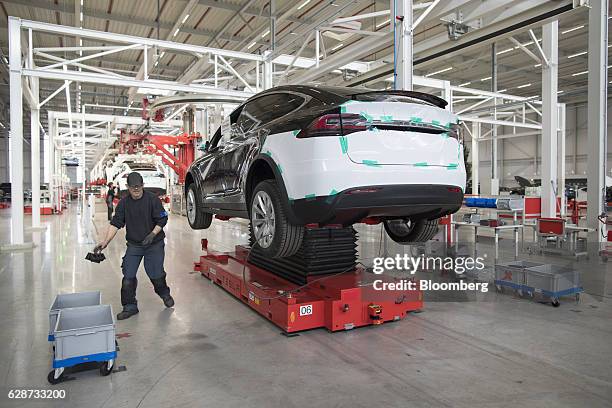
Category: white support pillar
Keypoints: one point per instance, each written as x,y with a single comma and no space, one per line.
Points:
35,155
494,141
561,158
268,66
50,159
550,43
475,158
16,136
401,15
597,117
82,161
317,48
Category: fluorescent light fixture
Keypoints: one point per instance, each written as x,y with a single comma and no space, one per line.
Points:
438,72
502,90
176,32
156,63
301,6
560,92
2,125
576,55
152,91
524,85
162,54
572,29
485,79
580,73
185,18
465,84
505,51
81,16
459,100
337,46
537,65
383,23
266,33
251,45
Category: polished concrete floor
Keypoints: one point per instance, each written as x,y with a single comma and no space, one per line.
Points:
212,351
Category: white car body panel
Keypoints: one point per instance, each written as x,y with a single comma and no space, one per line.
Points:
326,165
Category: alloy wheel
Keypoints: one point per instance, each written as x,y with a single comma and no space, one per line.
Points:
263,220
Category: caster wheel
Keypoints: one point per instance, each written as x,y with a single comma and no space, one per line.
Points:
51,377
106,368
555,302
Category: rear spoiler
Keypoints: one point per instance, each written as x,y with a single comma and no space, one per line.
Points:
432,99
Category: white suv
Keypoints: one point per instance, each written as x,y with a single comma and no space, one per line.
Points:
298,155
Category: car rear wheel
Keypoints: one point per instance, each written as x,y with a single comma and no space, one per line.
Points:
272,232
197,218
405,231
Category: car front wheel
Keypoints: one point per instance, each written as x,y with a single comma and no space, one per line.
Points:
197,218
405,231
272,232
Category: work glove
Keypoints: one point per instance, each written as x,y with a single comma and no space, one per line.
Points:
99,248
149,238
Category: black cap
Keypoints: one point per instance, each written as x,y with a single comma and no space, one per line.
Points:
134,179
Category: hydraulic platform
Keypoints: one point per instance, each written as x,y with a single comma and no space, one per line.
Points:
338,301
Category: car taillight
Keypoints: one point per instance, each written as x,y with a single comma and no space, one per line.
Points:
335,125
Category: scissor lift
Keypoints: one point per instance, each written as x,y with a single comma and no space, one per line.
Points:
337,301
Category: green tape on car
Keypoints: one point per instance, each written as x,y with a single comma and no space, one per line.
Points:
372,163
374,129
367,117
342,109
444,135
333,192
435,122
280,169
343,144
309,196
421,164
386,118
416,120
453,166
295,132
267,153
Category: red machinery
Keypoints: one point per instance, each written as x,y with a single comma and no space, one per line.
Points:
337,302
178,161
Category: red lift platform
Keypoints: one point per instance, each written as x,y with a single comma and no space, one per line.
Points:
341,301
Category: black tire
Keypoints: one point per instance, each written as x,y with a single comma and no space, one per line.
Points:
197,218
407,231
555,302
105,369
286,238
51,377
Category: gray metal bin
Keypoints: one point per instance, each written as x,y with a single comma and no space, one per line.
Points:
84,334
70,300
552,280
512,273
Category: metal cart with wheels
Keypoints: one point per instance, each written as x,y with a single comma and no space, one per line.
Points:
553,282
84,335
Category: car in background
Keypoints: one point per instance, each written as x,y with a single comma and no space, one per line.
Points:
297,155
152,175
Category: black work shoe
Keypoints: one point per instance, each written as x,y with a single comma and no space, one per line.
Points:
168,301
125,314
